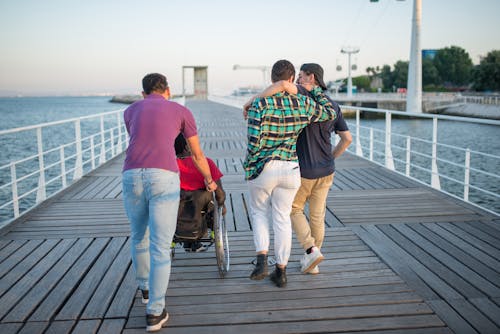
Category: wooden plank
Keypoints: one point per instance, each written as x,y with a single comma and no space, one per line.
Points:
453,264
11,259
292,327
447,275
99,303
452,319
472,239
58,296
26,265
404,264
86,326
79,298
60,327
33,328
35,295
241,219
462,258
478,320
122,301
472,251
488,308
10,328
111,326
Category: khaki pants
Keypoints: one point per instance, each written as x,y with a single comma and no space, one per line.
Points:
315,192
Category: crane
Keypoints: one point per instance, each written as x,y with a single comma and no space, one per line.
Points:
264,69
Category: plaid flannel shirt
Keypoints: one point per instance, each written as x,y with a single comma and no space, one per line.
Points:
274,123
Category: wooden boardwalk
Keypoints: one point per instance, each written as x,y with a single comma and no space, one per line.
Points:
400,258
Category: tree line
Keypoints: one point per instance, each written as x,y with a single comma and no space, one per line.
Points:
450,69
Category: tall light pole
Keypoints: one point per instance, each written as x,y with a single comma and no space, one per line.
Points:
414,91
349,51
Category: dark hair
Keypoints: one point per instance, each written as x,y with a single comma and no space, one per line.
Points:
181,146
154,82
282,70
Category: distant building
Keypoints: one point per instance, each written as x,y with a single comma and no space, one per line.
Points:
429,53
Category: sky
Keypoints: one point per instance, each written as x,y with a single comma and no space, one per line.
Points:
74,47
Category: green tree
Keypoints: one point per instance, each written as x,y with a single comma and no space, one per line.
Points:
386,75
453,65
362,83
400,74
430,74
486,75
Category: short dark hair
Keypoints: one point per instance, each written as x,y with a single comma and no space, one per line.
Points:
154,82
282,70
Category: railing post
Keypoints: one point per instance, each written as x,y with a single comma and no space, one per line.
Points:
63,167
359,151
102,156
408,155
435,183
371,144
119,143
15,199
92,154
112,141
41,194
389,162
467,175
78,145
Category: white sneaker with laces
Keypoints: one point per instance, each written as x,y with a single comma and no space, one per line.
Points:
311,260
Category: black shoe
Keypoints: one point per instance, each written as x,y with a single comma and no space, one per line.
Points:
195,247
155,322
279,277
260,270
145,296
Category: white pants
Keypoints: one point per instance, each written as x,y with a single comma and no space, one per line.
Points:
271,196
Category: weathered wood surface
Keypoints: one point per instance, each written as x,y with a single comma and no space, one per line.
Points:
400,257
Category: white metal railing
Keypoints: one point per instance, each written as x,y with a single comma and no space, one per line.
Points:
426,159
30,180
26,181
418,158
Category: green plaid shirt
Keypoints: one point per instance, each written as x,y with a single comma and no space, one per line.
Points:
274,123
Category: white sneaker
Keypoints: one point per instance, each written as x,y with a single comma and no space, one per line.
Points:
314,271
309,261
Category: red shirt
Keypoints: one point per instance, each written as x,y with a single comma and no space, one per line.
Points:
191,178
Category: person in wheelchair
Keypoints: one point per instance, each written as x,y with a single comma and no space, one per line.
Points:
195,206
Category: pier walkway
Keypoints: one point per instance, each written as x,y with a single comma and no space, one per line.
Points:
400,258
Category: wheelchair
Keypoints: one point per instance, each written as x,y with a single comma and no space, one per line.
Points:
213,233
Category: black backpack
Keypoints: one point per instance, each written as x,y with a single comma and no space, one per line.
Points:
194,210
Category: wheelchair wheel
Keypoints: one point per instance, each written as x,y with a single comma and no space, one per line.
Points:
221,240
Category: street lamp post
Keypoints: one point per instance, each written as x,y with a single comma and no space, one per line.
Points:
414,91
349,51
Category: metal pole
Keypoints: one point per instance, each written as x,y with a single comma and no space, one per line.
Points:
389,162
79,161
40,195
435,183
408,155
467,175
15,199
359,150
349,51
414,91
63,167
371,144
102,156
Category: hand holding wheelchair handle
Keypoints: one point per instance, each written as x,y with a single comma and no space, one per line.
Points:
210,185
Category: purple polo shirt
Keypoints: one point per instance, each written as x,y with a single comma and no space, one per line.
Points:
153,124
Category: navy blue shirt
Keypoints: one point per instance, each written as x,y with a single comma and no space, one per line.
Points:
314,146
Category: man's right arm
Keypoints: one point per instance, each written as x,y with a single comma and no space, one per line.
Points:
319,107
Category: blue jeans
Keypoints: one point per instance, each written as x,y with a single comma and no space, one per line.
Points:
151,199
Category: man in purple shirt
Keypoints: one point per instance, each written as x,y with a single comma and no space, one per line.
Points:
151,187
